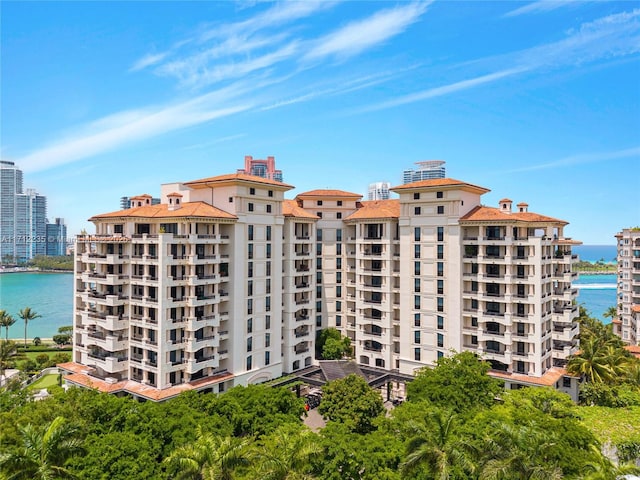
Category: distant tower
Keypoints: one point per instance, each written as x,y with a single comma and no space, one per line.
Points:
261,168
57,237
379,191
125,202
426,170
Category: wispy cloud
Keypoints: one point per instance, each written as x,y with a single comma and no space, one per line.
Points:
583,158
147,61
541,6
609,37
114,131
360,35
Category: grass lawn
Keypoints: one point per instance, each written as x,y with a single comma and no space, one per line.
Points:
613,425
51,353
44,382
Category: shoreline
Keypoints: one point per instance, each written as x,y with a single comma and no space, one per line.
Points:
31,270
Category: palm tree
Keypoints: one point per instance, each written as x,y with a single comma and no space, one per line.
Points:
513,453
27,315
8,349
6,321
437,447
43,453
591,362
286,454
612,312
210,457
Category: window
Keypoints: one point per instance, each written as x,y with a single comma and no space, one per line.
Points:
249,362
249,344
339,203
474,340
416,268
416,354
416,302
267,339
267,322
267,304
493,233
440,304
319,214
416,251
339,235
440,287
338,263
250,232
338,306
416,319
319,277
440,252
268,286
250,251
440,340
250,207
339,215
319,263
440,209
338,277
250,269
440,267
319,307
249,306
268,250
440,322
268,269
271,193
319,202
338,291
474,321
318,249
230,199
439,194
250,288
267,358
416,234
416,336
318,292
416,196
416,210
338,249
319,234
250,325
268,233
252,191
416,285
118,228
440,354
566,382
441,234
268,208
338,320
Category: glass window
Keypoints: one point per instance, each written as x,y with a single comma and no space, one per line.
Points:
249,306
440,304
319,234
416,234
267,304
440,269
267,322
250,288
267,339
271,193
416,302
250,251
249,344
267,358
440,340
249,361
416,251
416,196
416,354
440,250
439,194
440,209
249,325
250,232
339,203
252,191
268,233
268,208
416,210
338,306
440,322
339,235
319,202
440,287
339,215
416,268
250,269
441,234
416,319
250,207
416,336
338,277
416,285
338,320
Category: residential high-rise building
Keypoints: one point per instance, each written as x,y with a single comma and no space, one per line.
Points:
56,237
261,168
627,325
426,170
379,191
226,282
23,217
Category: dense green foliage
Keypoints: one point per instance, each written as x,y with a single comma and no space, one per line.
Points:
257,433
331,345
52,262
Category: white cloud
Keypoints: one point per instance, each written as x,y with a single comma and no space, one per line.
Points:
583,158
147,61
541,6
360,35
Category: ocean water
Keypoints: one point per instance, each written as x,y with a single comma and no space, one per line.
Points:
49,294
597,293
593,253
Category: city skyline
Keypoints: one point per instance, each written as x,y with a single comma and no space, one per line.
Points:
538,100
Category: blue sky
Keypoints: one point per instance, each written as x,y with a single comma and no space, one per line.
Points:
538,101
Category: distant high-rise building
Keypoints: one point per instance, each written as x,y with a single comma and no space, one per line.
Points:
261,168
23,217
57,237
627,325
379,191
427,170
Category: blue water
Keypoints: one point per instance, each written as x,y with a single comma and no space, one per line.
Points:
49,294
594,253
597,293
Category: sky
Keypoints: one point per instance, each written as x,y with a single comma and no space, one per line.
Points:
537,101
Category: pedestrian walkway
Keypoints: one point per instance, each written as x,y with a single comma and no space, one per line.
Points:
314,420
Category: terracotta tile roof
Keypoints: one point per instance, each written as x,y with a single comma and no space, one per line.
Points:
328,193
549,378
141,197
440,182
290,208
188,209
482,213
376,209
616,321
174,194
505,200
234,178
634,350
81,378
522,204
635,308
